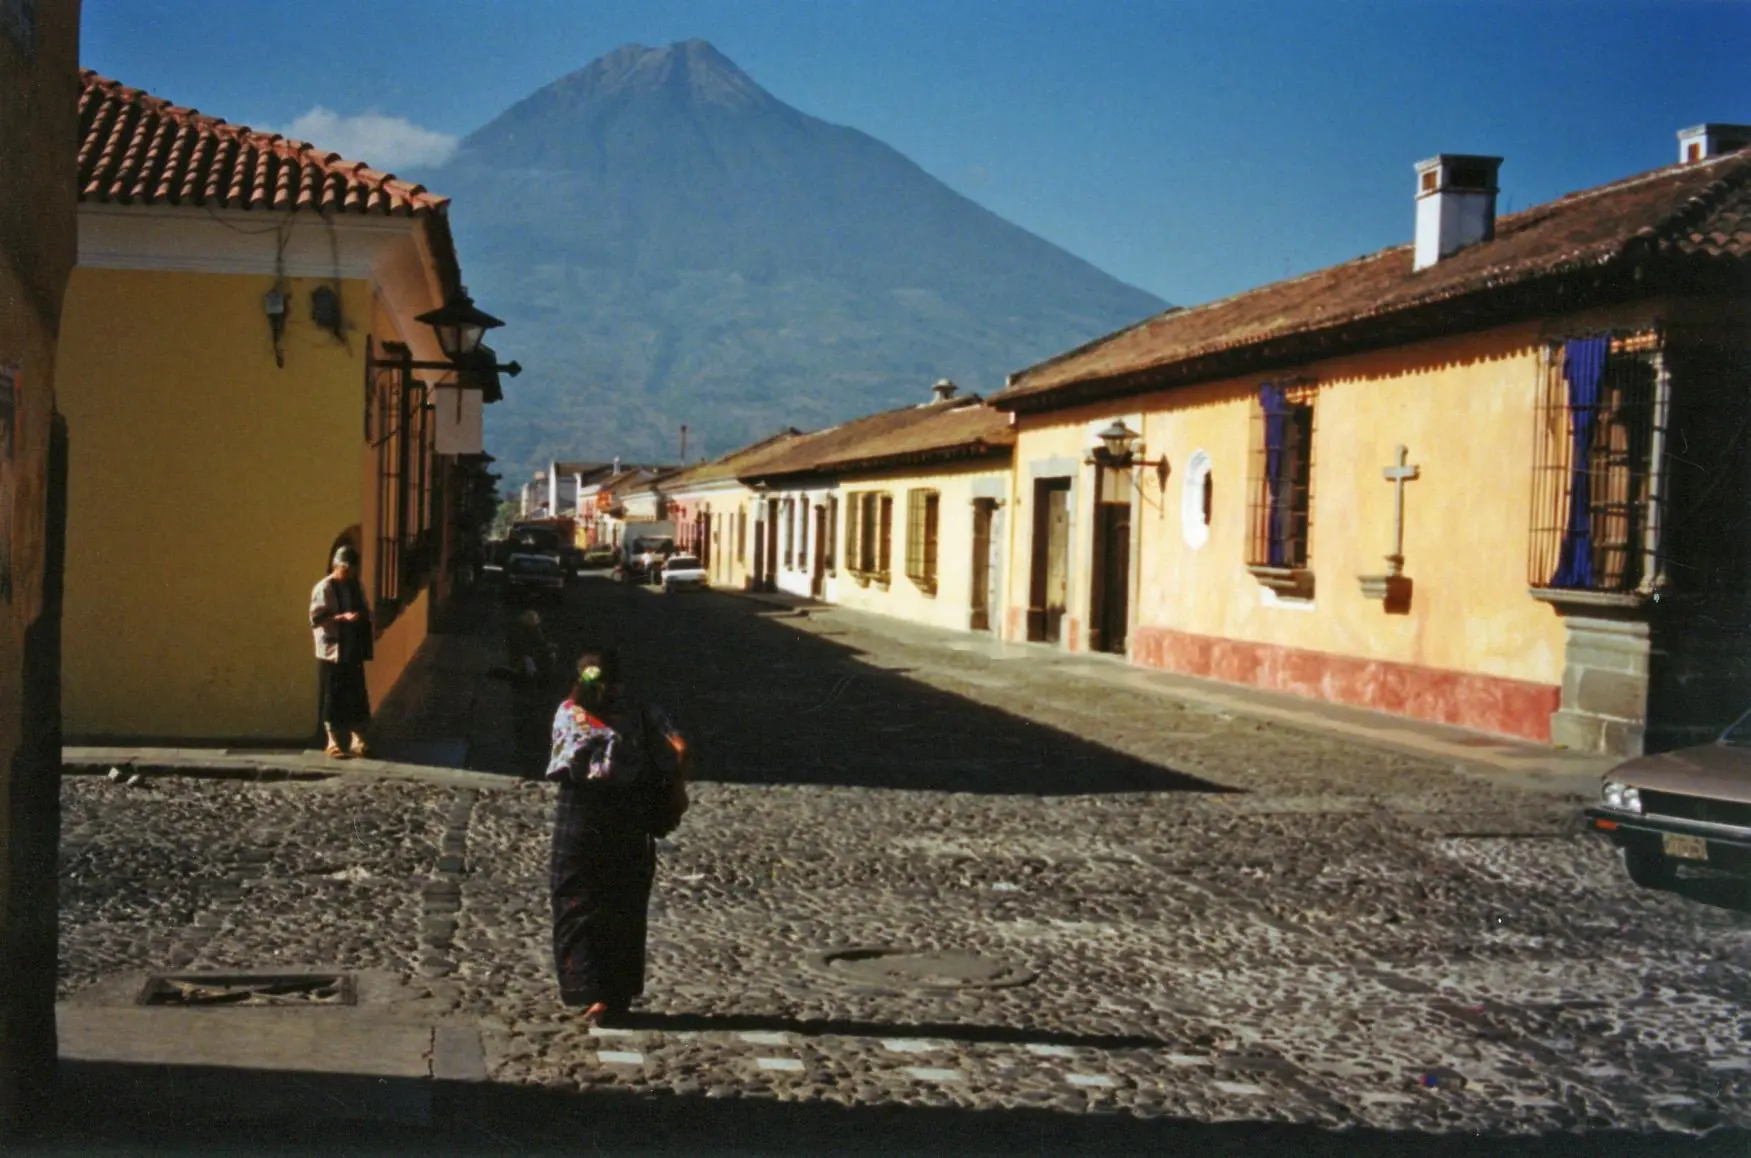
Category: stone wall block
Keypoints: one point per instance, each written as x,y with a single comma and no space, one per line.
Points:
1615,694
1577,732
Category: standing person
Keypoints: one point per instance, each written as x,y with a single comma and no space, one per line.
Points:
621,768
534,662
340,619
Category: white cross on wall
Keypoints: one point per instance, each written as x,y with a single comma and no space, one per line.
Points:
1398,475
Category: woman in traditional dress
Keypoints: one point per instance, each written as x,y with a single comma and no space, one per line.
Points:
608,758
340,619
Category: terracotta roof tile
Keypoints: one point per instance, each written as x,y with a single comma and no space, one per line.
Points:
138,149
736,462
936,432
1684,213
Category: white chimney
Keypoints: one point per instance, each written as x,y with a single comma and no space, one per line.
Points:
1456,204
943,390
1700,142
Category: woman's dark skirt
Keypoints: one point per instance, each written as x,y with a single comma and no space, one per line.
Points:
601,872
345,701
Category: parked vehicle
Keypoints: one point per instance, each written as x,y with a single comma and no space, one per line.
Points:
534,578
648,555
1689,807
601,557
683,573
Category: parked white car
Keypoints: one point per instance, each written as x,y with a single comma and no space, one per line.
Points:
682,572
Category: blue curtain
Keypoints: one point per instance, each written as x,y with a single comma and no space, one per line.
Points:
1274,401
1584,369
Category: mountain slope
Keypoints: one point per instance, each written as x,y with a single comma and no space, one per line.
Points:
672,244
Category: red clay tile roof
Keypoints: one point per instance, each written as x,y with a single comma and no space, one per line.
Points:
138,149
1689,215
937,432
737,462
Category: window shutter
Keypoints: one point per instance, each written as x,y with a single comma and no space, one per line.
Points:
932,515
854,533
885,545
832,533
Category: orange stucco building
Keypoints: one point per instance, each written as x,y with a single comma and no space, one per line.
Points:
1438,480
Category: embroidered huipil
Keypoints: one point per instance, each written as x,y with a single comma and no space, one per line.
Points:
587,748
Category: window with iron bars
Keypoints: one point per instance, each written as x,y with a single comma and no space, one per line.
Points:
1281,486
1595,500
922,507
399,427
869,521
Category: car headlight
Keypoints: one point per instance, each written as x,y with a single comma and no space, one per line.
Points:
1621,797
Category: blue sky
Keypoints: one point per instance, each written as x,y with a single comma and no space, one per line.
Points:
1193,149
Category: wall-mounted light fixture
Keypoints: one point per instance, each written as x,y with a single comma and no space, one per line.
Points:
273,304
325,310
1119,450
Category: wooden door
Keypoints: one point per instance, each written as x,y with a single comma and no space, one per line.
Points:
980,594
818,566
1049,585
1110,615
771,583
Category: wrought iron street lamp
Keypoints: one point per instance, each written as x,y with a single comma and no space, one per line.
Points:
1118,450
460,325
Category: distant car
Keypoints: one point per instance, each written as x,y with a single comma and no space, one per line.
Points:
683,573
534,578
601,557
572,560
1688,807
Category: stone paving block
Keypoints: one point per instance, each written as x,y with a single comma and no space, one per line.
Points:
933,1074
1240,1089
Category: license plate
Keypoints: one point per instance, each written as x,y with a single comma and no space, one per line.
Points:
1684,847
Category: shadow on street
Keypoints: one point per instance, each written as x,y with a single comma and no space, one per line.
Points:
766,704
118,1109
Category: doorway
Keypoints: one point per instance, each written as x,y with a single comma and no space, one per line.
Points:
818,562
982,595
1110,585
771,583
1049,578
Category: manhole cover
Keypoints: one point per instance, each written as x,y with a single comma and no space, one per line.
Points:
940,969
250,989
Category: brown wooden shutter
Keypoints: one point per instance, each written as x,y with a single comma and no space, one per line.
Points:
886,544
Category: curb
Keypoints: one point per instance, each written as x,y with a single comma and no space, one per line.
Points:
149,762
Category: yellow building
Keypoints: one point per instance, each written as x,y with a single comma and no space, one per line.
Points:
899,513
229,369
1437,481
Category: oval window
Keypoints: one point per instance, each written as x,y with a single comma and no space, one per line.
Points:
1197,500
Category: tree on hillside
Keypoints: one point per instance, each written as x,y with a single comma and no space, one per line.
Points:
508,512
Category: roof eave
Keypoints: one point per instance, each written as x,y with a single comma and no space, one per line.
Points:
1581,284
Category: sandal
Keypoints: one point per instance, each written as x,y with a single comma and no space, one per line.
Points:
594,1015
359,749
334,751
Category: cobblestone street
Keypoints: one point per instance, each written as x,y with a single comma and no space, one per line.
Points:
1212,918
